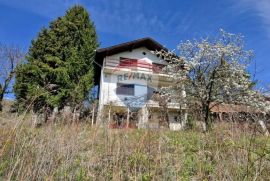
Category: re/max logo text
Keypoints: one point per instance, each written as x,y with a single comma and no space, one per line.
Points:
134,76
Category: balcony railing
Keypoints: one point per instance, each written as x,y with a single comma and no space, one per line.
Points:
133,64
141,101
149,104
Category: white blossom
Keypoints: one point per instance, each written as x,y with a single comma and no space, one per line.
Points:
213,70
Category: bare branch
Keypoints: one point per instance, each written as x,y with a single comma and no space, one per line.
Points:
10,57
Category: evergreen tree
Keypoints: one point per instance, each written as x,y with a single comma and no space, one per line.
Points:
59,69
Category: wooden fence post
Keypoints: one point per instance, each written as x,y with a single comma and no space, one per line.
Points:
127,126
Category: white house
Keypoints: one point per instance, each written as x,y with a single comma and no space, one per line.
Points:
129,77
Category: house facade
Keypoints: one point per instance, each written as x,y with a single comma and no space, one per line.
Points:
130,77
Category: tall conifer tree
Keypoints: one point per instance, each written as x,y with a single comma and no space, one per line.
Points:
59,67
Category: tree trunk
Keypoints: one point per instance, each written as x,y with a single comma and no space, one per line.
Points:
264,128
220,117
1,107
93,116
109,116
207,120
53,115
1,100
4,87
167,118
203,126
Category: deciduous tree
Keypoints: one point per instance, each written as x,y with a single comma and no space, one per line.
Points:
215,72
10,56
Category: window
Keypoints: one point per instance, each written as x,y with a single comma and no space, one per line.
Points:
125,89
157,67
128,62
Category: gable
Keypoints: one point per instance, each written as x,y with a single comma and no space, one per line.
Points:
142,54
148,43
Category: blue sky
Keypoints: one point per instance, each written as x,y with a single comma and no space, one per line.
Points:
169,22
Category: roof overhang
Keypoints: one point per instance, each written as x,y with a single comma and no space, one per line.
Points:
149,43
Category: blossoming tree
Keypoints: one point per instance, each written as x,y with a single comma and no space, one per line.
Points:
212,71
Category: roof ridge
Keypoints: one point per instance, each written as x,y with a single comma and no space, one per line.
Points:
132,42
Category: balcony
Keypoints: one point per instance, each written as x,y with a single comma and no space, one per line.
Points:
143,101
149,104
156,104
133,65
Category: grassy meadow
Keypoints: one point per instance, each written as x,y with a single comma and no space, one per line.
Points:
79,151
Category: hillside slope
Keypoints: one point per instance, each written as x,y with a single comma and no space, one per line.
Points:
81,152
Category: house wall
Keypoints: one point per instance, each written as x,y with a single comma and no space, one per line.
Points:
108,83
138,54
109,80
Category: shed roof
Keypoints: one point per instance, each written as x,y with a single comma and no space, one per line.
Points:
233,108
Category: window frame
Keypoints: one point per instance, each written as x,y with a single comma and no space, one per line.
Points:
126,90
130,62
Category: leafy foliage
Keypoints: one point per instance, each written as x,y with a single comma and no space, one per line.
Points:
59,68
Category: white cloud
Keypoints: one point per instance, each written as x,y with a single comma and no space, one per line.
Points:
124,18
136,18
45,8
262,9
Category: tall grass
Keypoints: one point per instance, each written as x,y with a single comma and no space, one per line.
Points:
81,152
